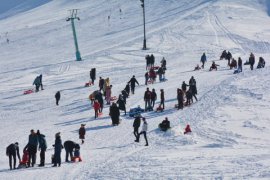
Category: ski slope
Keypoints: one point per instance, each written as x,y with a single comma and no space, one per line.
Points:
230,121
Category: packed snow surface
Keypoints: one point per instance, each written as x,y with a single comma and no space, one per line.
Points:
230,121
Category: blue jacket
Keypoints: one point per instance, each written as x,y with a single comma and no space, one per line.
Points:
58,145
33,140
203,58
42,142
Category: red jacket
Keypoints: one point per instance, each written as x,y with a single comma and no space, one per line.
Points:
96,106
187,129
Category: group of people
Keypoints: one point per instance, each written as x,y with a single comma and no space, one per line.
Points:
150,98
37,141
151,74
150,61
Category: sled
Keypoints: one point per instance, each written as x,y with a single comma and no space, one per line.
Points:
135,112
100,114
88,84
113,98
29,91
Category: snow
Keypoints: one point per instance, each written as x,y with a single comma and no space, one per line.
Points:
230,121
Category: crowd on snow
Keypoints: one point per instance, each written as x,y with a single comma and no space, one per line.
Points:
185,95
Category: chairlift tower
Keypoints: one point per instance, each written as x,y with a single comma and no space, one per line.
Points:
73,16
144,36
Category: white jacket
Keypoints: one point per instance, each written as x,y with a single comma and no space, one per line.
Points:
144,127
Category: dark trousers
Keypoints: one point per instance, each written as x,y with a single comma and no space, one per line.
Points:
42,157
57,158
96,114
32,150
145,137
10,156
162,104
57,101
180,104
136,132
132,89
147,104
251,66
37,88
69,152
153,103
194,95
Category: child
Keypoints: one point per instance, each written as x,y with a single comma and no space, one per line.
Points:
77,153
25,159
187,129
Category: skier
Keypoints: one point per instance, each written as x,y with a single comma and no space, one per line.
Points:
165,125
180,98
69,147
101,83
42,147
162,99
147,100
136,125
77,154
57,97
187,129
261,63
114,113
108,94
32,147
144,132
193,87
203,59
146,75
82,133
11,152
57,150
132,82
96,107
153,98
251,60
121,103
239,64
93,75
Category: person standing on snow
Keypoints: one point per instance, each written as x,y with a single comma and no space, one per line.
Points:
57,150
37,83
108,94
99,98
101,83
121,103
42,147
32,147
82,133
132,82
11,152
240,64
180,99
136,126
184,87
153,98
96,107
147,99
203,60
146,78
127,89
193,87
114,113
93,75
162,99
57,97
144,132
251,60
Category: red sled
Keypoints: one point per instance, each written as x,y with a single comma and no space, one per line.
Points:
88,84
113,98
159,109
150,82
29,91
100,114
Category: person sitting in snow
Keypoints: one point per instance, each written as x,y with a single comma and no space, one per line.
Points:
77,154
187,129
233,64
197,68
213,66
165,125
261,63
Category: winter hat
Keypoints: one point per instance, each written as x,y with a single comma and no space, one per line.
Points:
82,124
16,143
57,134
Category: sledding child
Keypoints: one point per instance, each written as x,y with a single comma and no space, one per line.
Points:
96,107
187,129
77,153
197,68
25,159
213,66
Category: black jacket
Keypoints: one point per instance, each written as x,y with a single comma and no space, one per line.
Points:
137,122
132,82
69,145
57,95
13,149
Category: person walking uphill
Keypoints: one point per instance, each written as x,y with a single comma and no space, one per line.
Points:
11,152
42,147
82,132
114,113
101,83
144,132
57,97
32,147
57,150
203,59
132,82
136,125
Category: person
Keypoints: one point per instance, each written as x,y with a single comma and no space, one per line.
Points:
124,95
197,68
229,57
233,64
96,107
163,63
187,129
147,59
261,63
99,98
108,94
57,150
162,99
127,88
240,64
37,83
165,125
132,82
223,55
82,133
189,97
41,85
152,75
251,60
77,154
144,132
193,87
152,60
184,87
160,73
69,147
136,125
147,99
121,103
114,113
32,147
146,76
42,147
203,59
101,83
11,152
180,99
93,75
213,66
153,98
24,161
57,97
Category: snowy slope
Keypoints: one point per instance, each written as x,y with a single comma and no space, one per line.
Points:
230,122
